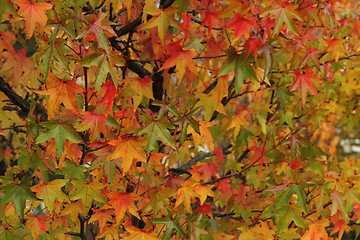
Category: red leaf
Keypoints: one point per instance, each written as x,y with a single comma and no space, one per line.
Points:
210,19
108,98
304,82
242,25
205,209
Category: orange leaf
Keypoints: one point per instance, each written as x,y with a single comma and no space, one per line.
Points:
103,216
36,224
137,234
317,230
123,202
60,91
185,194
128,150
33,13
50,191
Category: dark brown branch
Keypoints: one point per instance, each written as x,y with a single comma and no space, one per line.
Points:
15,98
21,103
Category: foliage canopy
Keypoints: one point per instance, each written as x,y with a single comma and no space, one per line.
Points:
178,119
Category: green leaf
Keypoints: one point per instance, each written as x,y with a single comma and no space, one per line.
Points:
18,192
301,197
87,192
286,216
60,132
158,131
242,69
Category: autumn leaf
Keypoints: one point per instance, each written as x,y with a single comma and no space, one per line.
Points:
18,192
284,14
204,191
137,234
205,209
60,132
108,99
100,26
60,91
103,216
336,48
129,150
139,88
186,194
33,13
211,19
180,58
37,225
94,122
317,230
51,191
122,203
157,130
242,25
87,192
304,82
163,18
242,68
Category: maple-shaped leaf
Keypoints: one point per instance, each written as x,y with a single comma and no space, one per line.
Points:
140,87
208,170
252,46
339,225
172,223
36,224
317,230
18,192
138,234
122,202
211,19
204,191
87,192
128,149
284,14
180,58
242,68
33,13
289,214
99,26
242,25
158,199
72,210
212,102
304,82
185,195
60,132
162,19
237,121
51,191
156,131
94,122
336,48
108,99
60,91
102,216
205,209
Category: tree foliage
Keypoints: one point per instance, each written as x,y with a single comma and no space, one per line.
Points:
178,119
